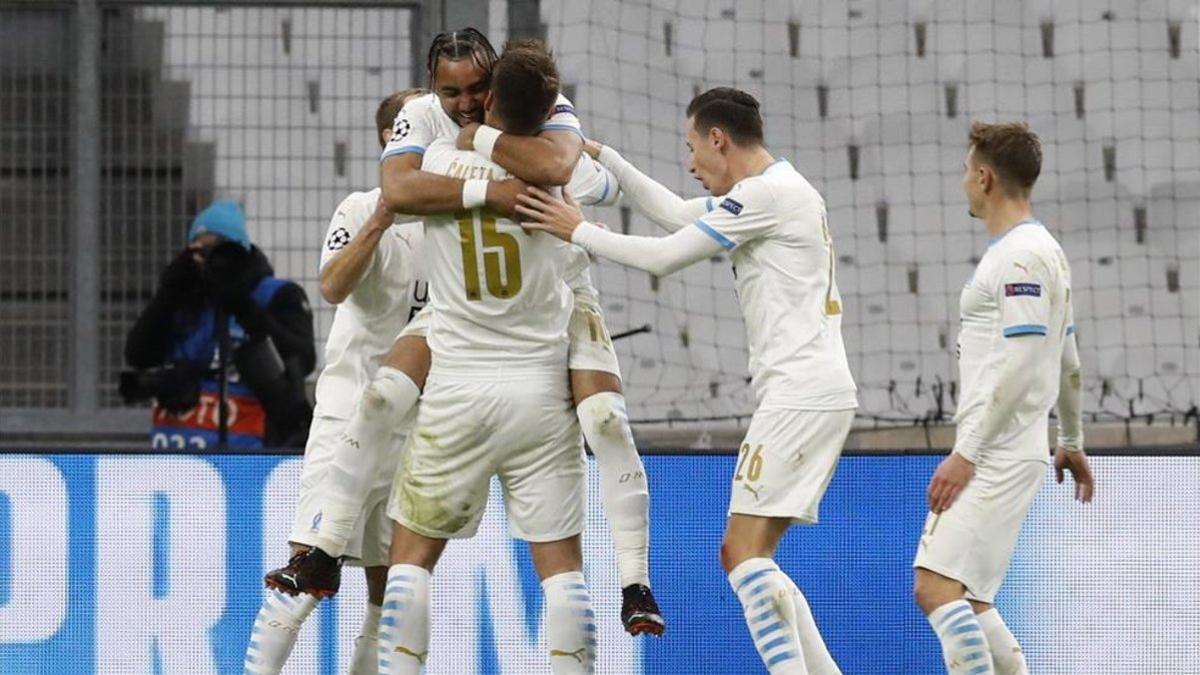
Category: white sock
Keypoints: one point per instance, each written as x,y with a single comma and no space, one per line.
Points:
384,404
275,630
404,628
1006,652
766,597
570,624
623,488
366,645
964,647
817,658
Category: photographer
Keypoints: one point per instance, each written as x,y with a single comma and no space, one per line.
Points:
221,292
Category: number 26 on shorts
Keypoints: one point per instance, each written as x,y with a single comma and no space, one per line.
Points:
753,467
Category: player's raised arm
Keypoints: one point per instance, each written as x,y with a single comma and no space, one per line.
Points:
350,245
545,159
460,65
408,189
651,198
658,255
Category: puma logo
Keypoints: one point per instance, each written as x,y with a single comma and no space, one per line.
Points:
401,649
1022,267
578,654
751,490
351,441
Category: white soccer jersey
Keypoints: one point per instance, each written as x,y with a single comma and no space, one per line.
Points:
423,120
392,290
499,296
1021,290
774,226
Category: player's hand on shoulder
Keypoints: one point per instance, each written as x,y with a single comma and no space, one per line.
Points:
592,148
1077,463
466,137
540,210
502,195
948,481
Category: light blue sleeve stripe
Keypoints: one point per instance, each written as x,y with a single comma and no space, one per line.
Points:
551,126
724,241
401,150
1071,329
1025,329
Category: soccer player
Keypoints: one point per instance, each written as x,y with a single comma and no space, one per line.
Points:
460,64
372,269
497,401
772,221
1016,356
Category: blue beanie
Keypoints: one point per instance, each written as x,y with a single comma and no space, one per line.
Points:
223,217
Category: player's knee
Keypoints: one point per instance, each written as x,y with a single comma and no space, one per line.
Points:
606,415
382,396
373,400
731,555
926,593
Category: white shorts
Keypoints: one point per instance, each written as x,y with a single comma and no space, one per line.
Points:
973,541
786,461
419,325
520,428
591,348
372,536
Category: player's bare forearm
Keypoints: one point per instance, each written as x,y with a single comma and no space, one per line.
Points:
341,275
546,159
408,189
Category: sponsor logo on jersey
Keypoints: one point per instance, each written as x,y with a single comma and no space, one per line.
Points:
732,205
563,108
1033,290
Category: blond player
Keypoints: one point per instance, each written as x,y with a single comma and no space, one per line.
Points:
772,222
497,401
1016,357
371,267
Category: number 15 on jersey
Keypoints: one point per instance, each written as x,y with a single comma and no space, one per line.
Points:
501,256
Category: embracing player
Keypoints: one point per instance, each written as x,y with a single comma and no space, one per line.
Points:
372,269
497,401
460,65
772,221
1016,356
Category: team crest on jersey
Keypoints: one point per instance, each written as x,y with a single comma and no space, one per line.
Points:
338,239
732,205
1032,290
